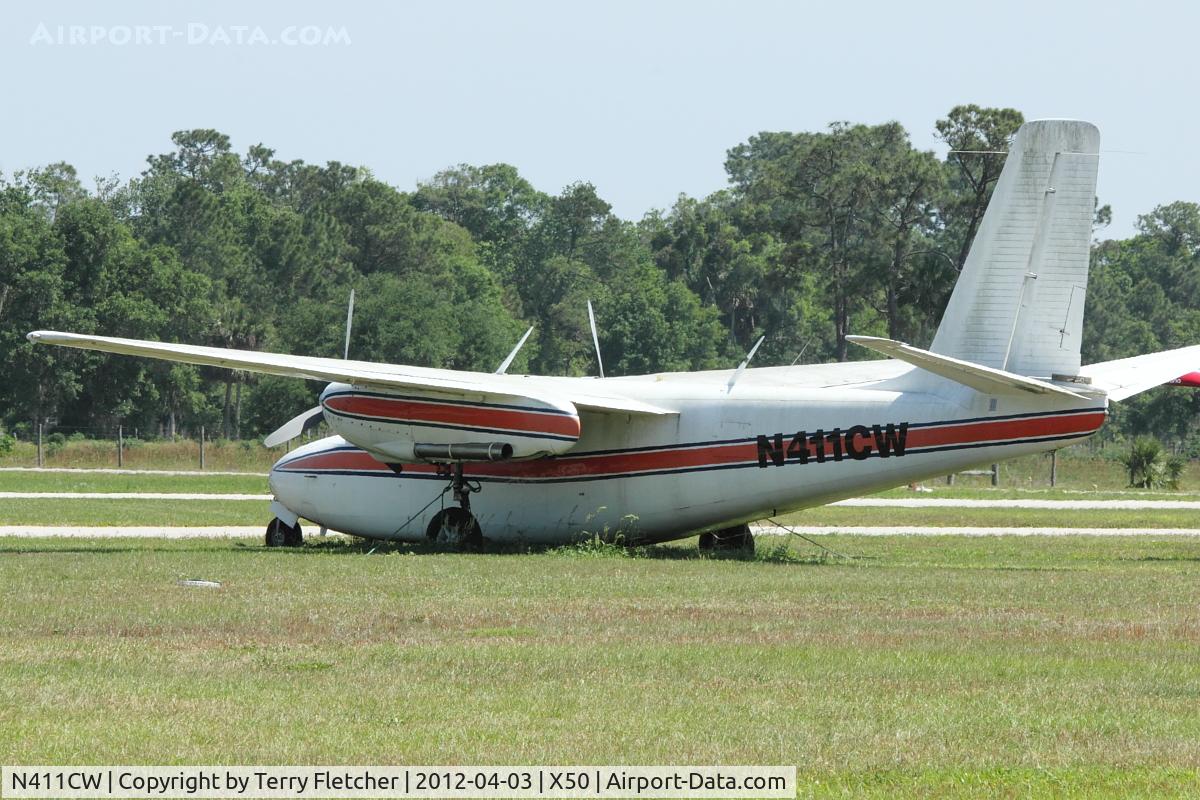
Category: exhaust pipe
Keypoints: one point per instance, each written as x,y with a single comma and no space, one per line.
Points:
467,451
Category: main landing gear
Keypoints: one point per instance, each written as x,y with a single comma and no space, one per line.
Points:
735,539
456,525
280,534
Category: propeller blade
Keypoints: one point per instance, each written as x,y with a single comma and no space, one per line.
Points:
295,426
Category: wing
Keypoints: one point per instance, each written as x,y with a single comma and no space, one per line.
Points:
360,373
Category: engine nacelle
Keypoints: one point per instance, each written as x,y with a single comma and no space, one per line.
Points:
429,426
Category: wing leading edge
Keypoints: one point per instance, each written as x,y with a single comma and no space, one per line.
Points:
360,373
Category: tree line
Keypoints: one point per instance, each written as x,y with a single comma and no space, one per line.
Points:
816,236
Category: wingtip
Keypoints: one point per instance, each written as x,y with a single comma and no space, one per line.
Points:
50,337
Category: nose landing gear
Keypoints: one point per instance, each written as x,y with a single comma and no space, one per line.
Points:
280,534
456,525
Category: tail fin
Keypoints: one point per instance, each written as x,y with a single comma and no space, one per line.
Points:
1018,304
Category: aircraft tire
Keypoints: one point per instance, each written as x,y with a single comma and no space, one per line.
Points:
455,526
281,535
737,538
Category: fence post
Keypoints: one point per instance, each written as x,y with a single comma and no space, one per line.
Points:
1053,468
201,447
41,460
995,474
950,479
120,446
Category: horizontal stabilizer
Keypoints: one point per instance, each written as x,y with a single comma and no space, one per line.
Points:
388,377
1126,377
984,379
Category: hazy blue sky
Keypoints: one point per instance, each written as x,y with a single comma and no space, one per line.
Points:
642,99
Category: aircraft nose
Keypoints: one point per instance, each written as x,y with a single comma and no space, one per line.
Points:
285,487
297,480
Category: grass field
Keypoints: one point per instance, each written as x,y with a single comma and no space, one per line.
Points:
39,511
87,481
945,666
997,517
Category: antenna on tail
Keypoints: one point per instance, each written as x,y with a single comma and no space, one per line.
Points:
595,338
507,362
737,373
349,322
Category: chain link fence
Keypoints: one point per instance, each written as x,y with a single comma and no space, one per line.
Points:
51,446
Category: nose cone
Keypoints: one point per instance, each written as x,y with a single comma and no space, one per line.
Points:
288,480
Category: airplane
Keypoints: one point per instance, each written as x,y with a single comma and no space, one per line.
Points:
454,456
1190,380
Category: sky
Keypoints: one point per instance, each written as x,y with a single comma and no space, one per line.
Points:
642,99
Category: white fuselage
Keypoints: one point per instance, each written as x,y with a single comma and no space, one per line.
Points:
783,439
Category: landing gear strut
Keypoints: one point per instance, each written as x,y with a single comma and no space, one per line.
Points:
280,534
456,525
737,538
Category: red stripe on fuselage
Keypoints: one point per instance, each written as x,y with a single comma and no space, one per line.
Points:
948,434
1037,427
620,463
402,410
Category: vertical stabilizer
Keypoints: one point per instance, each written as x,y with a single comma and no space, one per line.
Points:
1018,304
